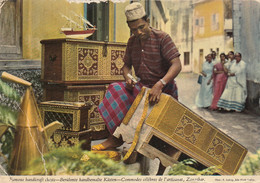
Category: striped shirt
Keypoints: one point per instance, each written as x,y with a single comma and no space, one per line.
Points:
152,61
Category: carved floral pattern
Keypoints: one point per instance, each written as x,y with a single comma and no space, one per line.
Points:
219,150
188,129
87,61
117,62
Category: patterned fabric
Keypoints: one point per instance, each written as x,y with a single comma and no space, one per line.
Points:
235,93
219,83
152,61
118,100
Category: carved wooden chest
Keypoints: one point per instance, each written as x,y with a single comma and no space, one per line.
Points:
90,94
73,115
81,61
172,132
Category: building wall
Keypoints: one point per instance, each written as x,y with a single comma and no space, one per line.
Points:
42,20
122,31
246,23
156,20
204,11
206,44
181,30
208,31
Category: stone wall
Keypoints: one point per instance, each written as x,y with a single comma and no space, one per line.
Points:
30,72
246,27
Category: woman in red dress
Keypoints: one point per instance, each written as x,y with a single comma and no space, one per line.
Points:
219,81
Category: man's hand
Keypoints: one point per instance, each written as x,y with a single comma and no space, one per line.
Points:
155,93
130,84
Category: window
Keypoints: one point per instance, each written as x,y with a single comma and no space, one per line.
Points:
186,58
199,25
197,22
214,21
98,15
201,29
217,51
201,21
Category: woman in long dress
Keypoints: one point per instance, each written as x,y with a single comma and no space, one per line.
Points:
219,81
235,93
204,96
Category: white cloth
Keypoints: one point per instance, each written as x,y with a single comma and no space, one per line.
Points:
215,61
204,96
128,131
229,63
134,11
235,93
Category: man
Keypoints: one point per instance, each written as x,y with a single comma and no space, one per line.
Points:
214,59
156,62
235,93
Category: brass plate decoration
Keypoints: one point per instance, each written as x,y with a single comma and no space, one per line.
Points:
62,138
87,62
69,65
93,112
117,62
219,150
188,129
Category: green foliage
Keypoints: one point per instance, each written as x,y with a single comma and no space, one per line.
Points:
7,142
8,118
9,91
251,164
185,168
75,161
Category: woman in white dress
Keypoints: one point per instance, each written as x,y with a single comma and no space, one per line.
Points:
235,93
204,96
230,61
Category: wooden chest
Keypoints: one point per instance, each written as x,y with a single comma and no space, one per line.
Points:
173,133
81,61
73,115
90,94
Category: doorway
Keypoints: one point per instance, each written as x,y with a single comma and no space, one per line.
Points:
10,30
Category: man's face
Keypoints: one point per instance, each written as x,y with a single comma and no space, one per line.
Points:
140,28
213,55
209,58
231,56
237,57
222,58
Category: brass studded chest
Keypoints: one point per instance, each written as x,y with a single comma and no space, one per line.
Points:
77,70
77,61
73,116
172,133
